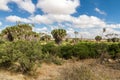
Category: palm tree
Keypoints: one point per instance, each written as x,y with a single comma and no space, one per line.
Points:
104,30
76,33
58,35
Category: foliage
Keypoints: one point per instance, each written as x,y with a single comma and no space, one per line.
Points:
23,56
19,32
81,51
112,37
58,35
114,50
51,49
20,56
98,38
115,39
46,38
66,51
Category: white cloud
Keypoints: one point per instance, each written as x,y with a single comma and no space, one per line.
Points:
84,21
26,5
60,18
111,30
70,32
16,18
58,6
40,30
0,23
41,19
3,5
99,11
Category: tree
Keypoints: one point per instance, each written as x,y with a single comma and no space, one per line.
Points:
104,30
76,33
75,39
46,37
9,36
20,32
98,38
58,35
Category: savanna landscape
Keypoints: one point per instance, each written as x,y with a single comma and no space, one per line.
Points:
27,55
59,40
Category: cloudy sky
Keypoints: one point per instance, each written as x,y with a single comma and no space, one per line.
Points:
88,17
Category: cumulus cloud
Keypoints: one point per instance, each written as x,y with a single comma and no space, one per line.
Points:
84,21
3,5
58,6
14,18
26,5
44,19
89,26
42,30
99,11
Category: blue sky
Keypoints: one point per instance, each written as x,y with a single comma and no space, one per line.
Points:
88,17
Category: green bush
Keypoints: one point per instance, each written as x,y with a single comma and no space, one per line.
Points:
81,51
51,49
92,50
20,56
114,50
66,51
101,48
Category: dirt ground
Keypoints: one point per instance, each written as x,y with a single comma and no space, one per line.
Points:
52,71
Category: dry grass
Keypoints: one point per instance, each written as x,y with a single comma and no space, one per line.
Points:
71,70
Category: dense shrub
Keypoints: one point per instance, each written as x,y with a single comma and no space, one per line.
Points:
92,50
81,51
51,49
20,56
66,51
101,48
114,50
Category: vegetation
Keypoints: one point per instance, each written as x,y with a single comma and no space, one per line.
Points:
58,35
98,38
19,32
21,50
45,37
20,56
80,72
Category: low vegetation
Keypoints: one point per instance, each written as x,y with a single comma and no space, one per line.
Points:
21,50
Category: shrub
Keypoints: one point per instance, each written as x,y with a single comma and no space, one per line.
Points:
51,49
92,50
66,51
20,56
81,51
114,50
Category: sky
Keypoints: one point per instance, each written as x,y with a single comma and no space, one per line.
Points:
87,17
